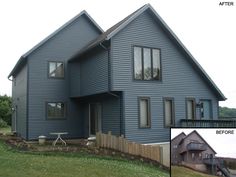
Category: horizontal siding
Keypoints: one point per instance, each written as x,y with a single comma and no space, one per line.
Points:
19,99
43,89
179,79
94,73
111,116
74,71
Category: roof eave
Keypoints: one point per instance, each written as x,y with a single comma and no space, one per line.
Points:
19,63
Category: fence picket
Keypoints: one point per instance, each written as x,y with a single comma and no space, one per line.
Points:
123,145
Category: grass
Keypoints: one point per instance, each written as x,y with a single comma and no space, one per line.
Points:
5,130
27,164
177,171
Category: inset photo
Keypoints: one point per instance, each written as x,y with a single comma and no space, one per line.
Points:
203,152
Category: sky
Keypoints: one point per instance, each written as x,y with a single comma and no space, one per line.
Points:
223,144
207,29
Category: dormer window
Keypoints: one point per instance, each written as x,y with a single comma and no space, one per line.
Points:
56,69
147,63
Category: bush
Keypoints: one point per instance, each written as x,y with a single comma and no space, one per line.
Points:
3,123
5,109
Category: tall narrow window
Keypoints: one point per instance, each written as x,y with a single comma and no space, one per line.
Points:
144,113
190,108
147,70
56,69
156,64
138,63
169,112
147,63
56,110
206,110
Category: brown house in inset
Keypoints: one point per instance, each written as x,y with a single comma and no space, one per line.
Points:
193,151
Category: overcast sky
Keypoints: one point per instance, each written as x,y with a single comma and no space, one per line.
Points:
223,144
205,28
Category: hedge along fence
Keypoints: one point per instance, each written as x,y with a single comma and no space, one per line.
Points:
121,144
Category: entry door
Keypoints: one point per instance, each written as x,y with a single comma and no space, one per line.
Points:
95,114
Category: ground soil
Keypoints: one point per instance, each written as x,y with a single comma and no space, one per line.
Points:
76,145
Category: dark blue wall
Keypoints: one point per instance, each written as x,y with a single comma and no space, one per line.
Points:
43,89
19,100
179,79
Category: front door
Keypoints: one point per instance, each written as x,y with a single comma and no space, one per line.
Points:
95,114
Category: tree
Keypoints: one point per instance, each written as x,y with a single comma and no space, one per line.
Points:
227,112
5,109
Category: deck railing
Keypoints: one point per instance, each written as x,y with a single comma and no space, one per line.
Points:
196,146
207,123
212,161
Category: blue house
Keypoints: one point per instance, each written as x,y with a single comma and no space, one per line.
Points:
136,79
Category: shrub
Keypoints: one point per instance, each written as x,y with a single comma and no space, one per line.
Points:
2,123
5,109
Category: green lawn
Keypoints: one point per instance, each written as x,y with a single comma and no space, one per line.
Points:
177,171
27,164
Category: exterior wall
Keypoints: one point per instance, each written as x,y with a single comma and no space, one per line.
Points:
194,136
43,89
187,157
74,71
111,119
19,100
176,158
179,79
94,73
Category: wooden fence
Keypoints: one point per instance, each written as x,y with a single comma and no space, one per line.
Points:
121,144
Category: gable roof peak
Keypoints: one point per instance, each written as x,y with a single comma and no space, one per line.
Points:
23,58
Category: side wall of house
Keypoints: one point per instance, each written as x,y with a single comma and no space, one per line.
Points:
43,89
176,158
19,102
179,79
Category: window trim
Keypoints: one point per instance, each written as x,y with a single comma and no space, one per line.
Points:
211,108
186,106
56,118
149,113
142,61
173,111
58,61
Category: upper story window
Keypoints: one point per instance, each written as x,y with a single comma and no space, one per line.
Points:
147,63
56,69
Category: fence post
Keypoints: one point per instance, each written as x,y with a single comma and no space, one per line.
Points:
109,139
98,139
161,154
